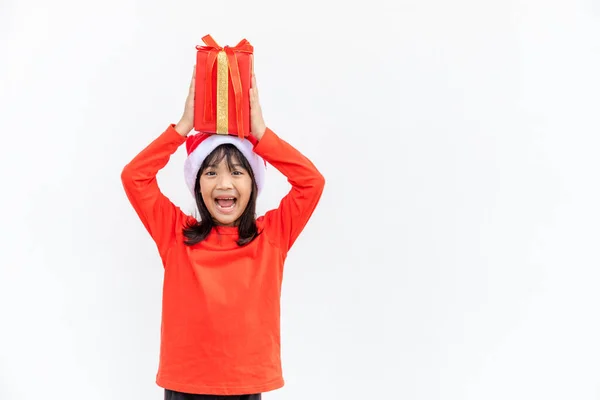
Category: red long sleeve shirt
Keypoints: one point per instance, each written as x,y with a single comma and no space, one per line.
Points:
220,331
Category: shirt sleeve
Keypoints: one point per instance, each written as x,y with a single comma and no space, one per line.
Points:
158,214
284,224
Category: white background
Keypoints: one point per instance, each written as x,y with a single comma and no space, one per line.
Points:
454,254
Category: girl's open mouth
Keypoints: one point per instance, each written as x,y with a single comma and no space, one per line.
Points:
225,204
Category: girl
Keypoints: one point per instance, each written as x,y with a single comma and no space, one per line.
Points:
222,275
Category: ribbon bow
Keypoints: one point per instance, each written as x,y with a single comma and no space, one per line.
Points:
226,62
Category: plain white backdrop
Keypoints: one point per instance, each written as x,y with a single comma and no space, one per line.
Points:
454,254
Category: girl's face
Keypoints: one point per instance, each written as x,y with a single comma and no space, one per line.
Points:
225,191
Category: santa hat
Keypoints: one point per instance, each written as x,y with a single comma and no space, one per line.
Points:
200,145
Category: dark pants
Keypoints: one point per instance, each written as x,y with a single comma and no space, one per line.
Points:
172,395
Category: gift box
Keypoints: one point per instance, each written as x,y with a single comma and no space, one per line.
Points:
223,80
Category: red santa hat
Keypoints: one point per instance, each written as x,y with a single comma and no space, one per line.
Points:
200,145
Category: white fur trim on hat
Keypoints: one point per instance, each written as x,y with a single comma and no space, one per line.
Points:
192,164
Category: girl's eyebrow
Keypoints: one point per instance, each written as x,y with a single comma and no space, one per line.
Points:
236,165
233,165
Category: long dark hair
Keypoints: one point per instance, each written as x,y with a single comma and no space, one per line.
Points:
197,231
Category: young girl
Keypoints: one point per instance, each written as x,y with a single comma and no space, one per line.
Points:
220,332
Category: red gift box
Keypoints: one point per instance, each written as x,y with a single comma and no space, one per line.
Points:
223,80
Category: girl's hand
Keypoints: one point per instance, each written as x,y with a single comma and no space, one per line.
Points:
186,123
257,123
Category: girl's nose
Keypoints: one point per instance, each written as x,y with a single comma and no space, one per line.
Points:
224,182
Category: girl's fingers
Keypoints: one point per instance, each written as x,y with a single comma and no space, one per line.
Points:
192,83
254,88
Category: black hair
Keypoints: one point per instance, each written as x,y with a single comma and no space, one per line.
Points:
197,231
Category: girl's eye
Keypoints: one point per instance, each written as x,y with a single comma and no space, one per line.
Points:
210,173
237,172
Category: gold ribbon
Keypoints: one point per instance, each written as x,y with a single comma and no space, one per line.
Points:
222,93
